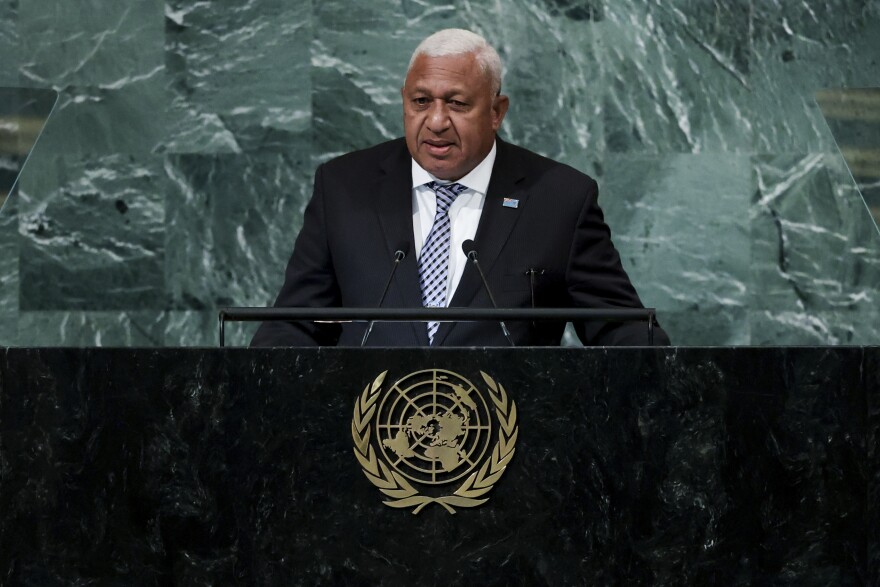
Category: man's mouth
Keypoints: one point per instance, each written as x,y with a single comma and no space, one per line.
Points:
438,148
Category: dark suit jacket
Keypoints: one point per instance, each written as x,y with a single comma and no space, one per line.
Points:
361,213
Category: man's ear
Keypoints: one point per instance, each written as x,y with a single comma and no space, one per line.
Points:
499,109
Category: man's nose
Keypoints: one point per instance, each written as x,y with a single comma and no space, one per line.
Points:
438,116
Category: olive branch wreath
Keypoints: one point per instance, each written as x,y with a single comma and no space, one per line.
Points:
395,485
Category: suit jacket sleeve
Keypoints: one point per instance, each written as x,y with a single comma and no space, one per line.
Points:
596,279
309,281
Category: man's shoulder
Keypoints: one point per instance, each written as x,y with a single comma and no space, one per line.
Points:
535,165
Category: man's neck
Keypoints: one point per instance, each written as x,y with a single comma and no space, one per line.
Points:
476,179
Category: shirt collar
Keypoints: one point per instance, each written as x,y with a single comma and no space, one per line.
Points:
477,180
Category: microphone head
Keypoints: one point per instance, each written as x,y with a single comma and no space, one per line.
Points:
401,252
469,249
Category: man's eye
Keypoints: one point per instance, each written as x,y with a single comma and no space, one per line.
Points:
420,101
457,103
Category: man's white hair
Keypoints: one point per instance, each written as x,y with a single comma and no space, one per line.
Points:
461,42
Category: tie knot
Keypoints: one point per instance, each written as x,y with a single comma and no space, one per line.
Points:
446,194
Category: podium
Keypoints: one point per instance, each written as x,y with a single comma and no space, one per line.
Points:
638,466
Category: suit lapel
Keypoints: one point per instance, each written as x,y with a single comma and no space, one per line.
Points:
493,231
394,209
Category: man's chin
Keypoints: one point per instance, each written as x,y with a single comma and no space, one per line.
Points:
445,174
439,168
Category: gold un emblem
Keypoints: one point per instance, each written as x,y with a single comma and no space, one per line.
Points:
432,430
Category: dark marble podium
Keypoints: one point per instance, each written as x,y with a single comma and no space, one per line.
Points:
726,466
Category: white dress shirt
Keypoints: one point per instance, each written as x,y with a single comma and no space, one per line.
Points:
464,213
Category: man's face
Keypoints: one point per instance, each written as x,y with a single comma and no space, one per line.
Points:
449,114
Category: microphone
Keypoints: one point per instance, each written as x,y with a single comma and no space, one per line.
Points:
399,255
470,251
532,273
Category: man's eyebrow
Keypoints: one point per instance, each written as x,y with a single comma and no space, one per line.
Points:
448,94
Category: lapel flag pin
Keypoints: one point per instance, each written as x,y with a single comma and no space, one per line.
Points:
510,203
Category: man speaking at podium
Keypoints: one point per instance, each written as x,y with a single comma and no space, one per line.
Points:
534,223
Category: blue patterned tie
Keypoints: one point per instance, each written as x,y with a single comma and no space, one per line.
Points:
434,259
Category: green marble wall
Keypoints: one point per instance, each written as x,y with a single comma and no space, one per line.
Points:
172,179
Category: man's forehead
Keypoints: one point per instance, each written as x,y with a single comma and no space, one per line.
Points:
433,85
462,71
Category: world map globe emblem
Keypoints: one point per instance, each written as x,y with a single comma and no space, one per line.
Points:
433,426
